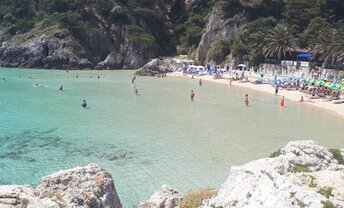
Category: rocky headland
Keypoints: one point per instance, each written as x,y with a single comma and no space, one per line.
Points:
301,174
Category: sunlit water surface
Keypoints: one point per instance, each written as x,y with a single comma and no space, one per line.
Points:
159,136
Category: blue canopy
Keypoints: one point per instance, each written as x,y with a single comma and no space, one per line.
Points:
304,55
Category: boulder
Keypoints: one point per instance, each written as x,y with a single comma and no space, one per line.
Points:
85,63
156,66
82,187
166,197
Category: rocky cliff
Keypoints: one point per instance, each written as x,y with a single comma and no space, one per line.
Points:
110,34
302,174
217,28
82,187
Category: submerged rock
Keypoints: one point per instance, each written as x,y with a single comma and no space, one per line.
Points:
82,187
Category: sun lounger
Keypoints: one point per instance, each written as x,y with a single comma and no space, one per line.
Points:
313,97
338,102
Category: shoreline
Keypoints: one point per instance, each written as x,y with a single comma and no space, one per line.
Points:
337,109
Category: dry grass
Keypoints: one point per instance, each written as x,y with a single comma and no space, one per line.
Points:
55,196
99,180
194,199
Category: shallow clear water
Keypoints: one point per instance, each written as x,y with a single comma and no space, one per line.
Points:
166,138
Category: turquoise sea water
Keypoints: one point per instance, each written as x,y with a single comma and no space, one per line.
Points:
164,137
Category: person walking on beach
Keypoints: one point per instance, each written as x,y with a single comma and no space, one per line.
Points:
246,100
192,95
230,81
282,101
276,90
200,82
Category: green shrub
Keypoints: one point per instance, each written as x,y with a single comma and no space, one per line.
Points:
337,155
299,168
275,154
328,204
326,192
194,199
219,50
138,35
312,184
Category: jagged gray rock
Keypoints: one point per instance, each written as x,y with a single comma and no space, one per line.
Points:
82,187
271,182
157,65
217,28
166,197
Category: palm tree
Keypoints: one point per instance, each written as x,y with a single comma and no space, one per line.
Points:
329,46
275,43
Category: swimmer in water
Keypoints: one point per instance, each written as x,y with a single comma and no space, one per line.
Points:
133,79
302,100
77,75
36,84
84,104
98,77
61,88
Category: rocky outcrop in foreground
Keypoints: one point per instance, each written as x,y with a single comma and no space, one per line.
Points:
81,187
302,174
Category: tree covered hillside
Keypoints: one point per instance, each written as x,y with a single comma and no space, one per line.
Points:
269,28
127,33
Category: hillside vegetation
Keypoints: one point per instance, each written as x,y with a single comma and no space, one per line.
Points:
93,29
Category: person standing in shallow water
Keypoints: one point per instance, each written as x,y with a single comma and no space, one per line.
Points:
246,100
282,101
136,90
61,88
200,82
192,95
276,90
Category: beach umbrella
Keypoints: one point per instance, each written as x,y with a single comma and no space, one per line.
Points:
322,83
334,86
341,87
328,85
317,82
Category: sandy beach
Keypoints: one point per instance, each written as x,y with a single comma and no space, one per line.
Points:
289,95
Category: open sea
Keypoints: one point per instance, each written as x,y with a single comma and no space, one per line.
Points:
159,137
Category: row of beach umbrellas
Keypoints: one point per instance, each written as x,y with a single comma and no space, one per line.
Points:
325,84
